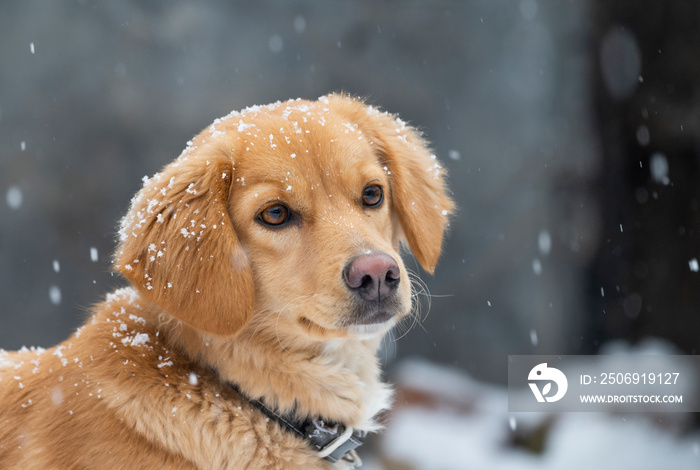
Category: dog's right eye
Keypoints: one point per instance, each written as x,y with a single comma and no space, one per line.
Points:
373,196
274,215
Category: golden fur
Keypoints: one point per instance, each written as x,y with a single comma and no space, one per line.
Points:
216,297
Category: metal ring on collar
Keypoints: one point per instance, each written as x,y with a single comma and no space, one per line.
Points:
336,443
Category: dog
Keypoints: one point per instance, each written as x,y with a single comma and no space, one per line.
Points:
264,269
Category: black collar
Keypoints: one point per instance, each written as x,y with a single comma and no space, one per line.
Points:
332,442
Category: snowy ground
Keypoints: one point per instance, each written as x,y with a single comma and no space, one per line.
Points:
445,420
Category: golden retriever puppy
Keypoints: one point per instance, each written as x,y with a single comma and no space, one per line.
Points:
264,269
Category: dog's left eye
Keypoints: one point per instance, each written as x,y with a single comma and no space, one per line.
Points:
274,215
372,196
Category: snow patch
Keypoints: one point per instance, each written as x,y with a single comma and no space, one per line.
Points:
276,44
14,197
658,165
544,242
454,155
57,396
533,337
55,295
536,266
137,319
299,24
125,293
470,427
140,339
193,379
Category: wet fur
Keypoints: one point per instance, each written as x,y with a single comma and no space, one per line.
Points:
217,298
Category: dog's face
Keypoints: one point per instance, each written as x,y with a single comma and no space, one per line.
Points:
289,215
314,217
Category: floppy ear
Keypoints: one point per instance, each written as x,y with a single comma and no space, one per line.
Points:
178,246
418,188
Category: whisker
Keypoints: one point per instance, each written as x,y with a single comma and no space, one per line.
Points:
422,303
424,291
392,339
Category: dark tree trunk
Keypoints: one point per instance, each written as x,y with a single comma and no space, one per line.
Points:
650,181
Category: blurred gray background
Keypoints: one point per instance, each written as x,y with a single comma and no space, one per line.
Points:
570,130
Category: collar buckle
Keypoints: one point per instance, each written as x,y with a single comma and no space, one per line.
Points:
334,443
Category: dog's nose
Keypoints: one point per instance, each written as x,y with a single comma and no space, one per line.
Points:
374,277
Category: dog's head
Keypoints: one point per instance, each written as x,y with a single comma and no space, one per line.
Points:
292,212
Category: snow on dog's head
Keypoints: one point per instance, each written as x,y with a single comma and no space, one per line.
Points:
288,208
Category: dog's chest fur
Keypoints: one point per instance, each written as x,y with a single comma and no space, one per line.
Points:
129,397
